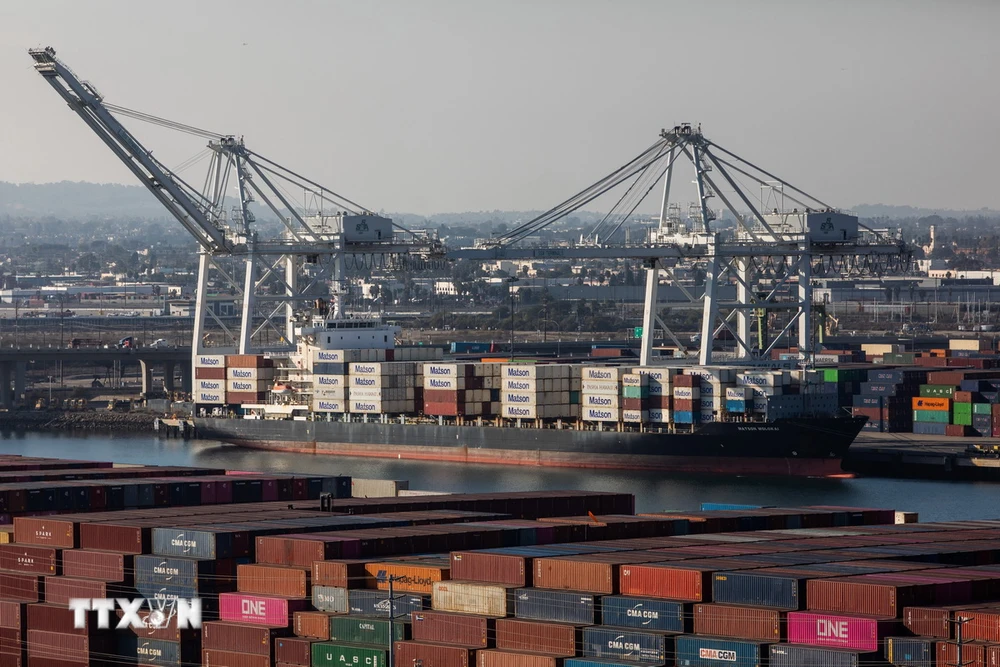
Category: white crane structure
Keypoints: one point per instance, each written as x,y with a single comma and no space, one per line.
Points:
271,278
768,252
771,254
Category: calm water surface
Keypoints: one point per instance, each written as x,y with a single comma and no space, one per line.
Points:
935,501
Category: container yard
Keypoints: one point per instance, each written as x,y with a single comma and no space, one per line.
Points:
292,570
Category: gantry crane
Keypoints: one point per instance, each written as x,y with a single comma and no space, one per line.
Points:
265,274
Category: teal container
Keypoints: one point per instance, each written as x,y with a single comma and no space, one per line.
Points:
932,416
635,392
982,409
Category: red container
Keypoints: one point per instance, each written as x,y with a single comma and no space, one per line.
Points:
29,559
288,582
11,617
22,587
240,637
234,397
490,568
119,537
447,628
596,573
858,633
102,565
341,573
684,404
929,621
45,532
312,624
495,658
260,610
866,596
558,639
56,618
757,623
667,581
293,650
304,550
63,647
687,381
216,658
209,373
434,655
984,625
11,647
973,654
59,590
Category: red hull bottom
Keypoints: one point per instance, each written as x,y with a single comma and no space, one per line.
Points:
785,467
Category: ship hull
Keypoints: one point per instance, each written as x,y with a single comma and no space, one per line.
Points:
811,447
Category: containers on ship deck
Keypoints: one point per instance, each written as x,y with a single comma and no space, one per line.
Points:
559,639
367,631
632,645
428,654
559,606
751,623
858,633
910,651
645,613
696,651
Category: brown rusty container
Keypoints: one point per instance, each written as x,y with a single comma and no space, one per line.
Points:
865,596
29,559
434,655
673,582
312,624
46,532
506,569
216,658
592,573
11,647
293,651
932,622
984,624
973,654
342,574
408,577
456,629
756,623
65,648
107,566
59,590
56,618
22,587
558,639
498,658
240,637
11,617
300,550
287,582
121,537
209,373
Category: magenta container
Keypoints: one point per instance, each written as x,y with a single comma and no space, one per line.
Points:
858,633
258,609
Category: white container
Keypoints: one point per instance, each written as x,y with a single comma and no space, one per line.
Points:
209,397
688,393
376,394
635,416
330,381
600,401
518,411
605,388
738,393
659,416
335,393
249,373
365,381
329,405
635,380
444,383
659,388
248,385
600,414
210,360
217,386
602,373
443,370
518,371
365,406
366,368
468,598
521,398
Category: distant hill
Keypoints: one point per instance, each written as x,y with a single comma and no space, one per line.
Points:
897,212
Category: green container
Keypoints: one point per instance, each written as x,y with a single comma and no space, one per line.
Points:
328,654
932,416
831,374
574,398
635,392
962,419
373,632
937,390
962,408
982,409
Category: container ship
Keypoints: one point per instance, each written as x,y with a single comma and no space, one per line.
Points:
348,391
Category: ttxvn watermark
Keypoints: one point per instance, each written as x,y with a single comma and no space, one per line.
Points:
161,612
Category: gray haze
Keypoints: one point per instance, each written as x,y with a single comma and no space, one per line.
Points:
429,106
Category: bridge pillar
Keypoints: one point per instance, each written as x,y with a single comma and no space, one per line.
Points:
6,396
186,373
20,370
168,376
146,370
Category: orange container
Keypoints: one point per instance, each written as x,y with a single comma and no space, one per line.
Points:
409,577
929,403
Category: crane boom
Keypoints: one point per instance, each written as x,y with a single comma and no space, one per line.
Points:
88,104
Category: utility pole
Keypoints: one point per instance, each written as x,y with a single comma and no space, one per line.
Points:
390,578
510,291
959,642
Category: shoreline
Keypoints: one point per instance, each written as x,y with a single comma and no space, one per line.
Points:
52,420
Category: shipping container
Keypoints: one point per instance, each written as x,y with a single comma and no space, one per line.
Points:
559,606
760,589
860,596
456,629
602,662
376,603
622,644
240,637
473,598
695,651
103,565
364,631
414,577
794,655
28,559
339,573
293,651
858,633
754,623
287,582
312,624
559,639
330,599
147,651
427,654
910,651
673,582
216,658
499,658
487,567
645,613
973,654
260,610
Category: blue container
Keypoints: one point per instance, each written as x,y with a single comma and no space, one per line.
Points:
927,428
909,651
599,662
794,655
166,592
626,644
327,368
560,606
644,613
863,401
755,590
685,417
158,651
202,575
714,507
205,544
376,603
695,651
736,406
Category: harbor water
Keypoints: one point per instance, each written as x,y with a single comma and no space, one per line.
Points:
654,491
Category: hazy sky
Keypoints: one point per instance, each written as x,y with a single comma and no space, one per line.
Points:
434,106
